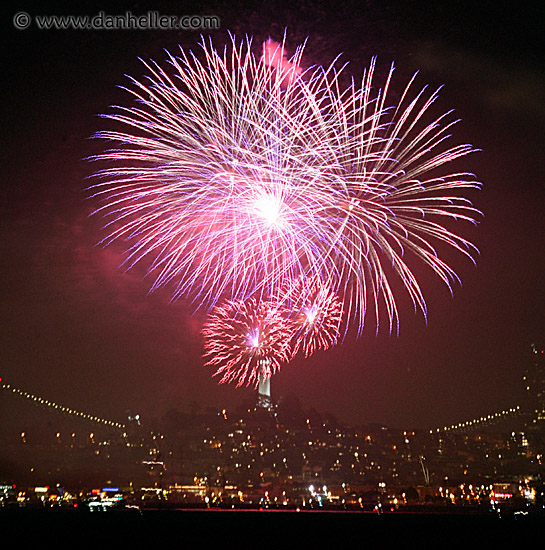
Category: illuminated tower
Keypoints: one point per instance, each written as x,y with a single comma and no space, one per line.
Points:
264,387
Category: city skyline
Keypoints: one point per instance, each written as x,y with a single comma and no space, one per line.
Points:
79,331
264,450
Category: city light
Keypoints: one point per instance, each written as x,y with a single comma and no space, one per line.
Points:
241,459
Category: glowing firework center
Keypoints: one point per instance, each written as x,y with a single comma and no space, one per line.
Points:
268,207
280,202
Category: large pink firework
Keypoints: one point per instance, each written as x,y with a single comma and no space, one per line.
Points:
246,340
239,174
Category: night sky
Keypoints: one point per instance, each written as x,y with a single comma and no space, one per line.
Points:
77,330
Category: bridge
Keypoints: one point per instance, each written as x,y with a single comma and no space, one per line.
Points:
481,422
56,407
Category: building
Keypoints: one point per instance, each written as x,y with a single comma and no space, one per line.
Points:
534,381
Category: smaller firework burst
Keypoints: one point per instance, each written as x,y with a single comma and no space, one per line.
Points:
317,312
247,341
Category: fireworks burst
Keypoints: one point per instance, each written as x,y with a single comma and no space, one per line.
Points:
239,175
246,341
317,313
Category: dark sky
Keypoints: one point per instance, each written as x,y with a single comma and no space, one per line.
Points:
79,331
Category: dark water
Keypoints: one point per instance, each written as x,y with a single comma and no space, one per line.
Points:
134,528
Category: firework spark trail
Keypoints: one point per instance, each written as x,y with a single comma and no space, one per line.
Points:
238,175
247,340
400,196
